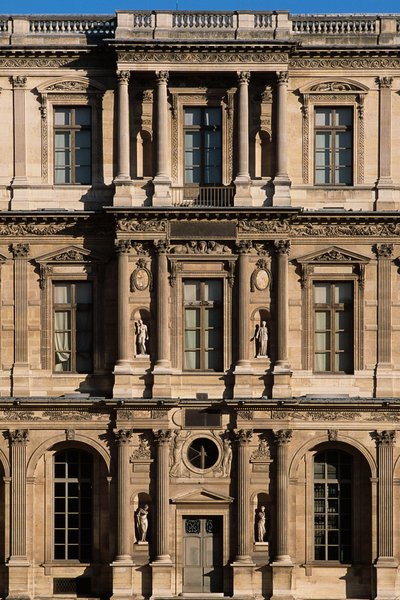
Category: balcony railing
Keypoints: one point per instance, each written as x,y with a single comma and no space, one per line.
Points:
203,196
333,24
86,25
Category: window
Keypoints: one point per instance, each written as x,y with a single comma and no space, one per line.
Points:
203,324
333,327
202,133
73,327
333,146
72,145
333,506
73,505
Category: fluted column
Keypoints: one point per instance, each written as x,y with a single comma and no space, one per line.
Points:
123,248
124,524
282,249
282,439
384,254
385,131
385,441
163,440
162,180
19,89
163,341
281,180
123,126
18,442
243,136
243,300
243,437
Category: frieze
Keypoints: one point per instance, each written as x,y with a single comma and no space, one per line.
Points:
334,86
297,229
158,413
146,226
34,228
70,415
35,61
203,57
245,414
69,86
16,415
315,415
201,247
375,63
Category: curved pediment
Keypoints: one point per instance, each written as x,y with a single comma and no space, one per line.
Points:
71,84
69,254
333,254
203,495
337,86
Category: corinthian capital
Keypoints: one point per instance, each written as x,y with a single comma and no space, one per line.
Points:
18,81
123,436
283,436
283,77
19,250
162,436
282,246
244,77
162,76
19,436
123,76
243,436
385,438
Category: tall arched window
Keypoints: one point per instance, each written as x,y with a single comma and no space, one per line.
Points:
73,471
333,506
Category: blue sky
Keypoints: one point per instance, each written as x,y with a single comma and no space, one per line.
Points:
8,7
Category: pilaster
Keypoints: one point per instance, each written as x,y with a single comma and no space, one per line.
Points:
243,371
242,181
162,368
20,371
281,181
123,178
18,565
385,183
384,367
19,183
282,371
162,180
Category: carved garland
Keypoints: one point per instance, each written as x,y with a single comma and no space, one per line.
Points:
335,93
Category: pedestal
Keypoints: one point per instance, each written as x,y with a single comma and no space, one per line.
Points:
282,386
242,575
161,579
243,383
282,576
386,572
18,579
122,574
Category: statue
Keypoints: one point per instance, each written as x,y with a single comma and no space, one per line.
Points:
261,524
142,336
177,453
226,457
142,522
262,337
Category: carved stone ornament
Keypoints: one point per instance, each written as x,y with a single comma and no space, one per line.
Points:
163,436
162,77
176,267
201,247
72,256
158,413
374,63
385,438
261,453
332,435
245,247
19,436
139,249
141,278
123,436
243,436
282,246
19,250
18,81
245,413
243,77
123,246
70,435
384,250
143,451
385,82
68,415
282,77
123,76
162,246
145,226
266,94
261,277
35,227
231,56
316,415
334,86
283,436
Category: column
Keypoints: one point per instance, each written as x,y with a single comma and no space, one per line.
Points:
162,181
123,248
282,250
244,250
384,371
244,537
124,519
20,373
19,87
243,135
163,440
385,131
163,341
281,181
386,565
282,439
123,127
18,442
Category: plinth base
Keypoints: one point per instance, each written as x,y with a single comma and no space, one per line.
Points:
281,195
122,580
162,579
386,572
162,383
242,575
18,579
243,387
282,386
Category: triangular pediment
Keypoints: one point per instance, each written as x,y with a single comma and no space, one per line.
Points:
70,84
203,495
69,254
335,255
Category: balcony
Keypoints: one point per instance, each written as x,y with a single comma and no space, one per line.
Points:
213,196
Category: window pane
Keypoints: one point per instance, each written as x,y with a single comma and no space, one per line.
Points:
213,290
191,290
344,116
192,317
322,362
62,116
323,141
212,116
323,116
83,292
322,293
192,360
83,175
62,293
213,360
343,292
82,115
192,116
82,139
192,339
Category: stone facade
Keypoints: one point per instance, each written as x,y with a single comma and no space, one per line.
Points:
200,294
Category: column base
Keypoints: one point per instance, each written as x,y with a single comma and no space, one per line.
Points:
243,387
242,573
122,578
281,195
386,574
18,579
20,379
162,383
242,192
281,387
161,578
282,575
123,191
385,384
385,199
162,192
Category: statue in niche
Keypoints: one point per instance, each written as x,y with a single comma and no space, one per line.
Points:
142,522
261,524
179,439
226,457
262,338
142,336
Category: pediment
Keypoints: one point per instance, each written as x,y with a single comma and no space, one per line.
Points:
203,496
69,254
75,84
333,254
334,85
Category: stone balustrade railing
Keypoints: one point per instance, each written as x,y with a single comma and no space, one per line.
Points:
238,25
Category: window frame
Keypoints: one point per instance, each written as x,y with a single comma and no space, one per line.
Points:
333,130
73,308
72,129
202,129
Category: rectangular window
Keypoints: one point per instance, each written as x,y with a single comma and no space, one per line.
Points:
202,133
73,327
332,506
72,145
203,324
333,327
333,146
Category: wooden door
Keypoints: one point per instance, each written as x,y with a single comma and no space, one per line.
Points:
202,554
